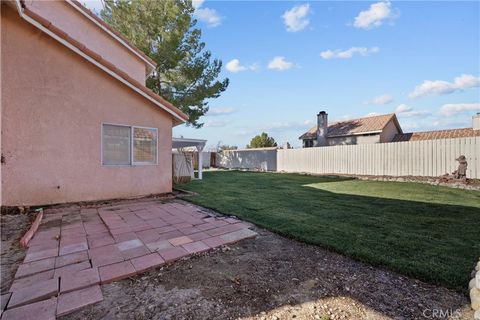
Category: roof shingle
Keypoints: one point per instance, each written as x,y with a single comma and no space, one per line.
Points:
439,134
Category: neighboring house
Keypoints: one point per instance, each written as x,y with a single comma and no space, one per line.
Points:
374,129
442,134
77,122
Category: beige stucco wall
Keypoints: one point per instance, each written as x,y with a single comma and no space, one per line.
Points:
76,25
389,132
336,141
53,106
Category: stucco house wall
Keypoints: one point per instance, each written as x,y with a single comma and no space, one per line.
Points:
389,132
356,139
53,106
80,28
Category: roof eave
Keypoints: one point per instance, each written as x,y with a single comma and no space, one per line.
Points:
397,123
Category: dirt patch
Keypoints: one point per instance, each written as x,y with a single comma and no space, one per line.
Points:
13,227
270,277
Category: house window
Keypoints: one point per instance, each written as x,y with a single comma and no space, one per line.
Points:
144,145
308,143
127,145
116,145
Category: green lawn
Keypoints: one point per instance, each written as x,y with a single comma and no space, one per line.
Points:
428,232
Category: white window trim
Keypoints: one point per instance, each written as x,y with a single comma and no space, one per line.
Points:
132,163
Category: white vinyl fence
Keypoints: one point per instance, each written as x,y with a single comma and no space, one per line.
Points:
428,158
261,159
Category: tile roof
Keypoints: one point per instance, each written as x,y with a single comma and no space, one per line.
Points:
98,58
354,126
439,134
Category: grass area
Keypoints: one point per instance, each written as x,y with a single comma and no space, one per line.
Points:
424,231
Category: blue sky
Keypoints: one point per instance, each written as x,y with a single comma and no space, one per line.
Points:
289,60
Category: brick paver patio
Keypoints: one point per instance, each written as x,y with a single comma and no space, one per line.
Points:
78,248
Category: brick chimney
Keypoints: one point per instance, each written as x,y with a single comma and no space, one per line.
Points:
476,121
322,128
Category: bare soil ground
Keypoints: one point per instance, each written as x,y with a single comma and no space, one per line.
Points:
270,277
12,228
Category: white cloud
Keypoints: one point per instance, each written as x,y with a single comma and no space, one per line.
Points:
347,54
415,114
422,124
345,117
235,66
406,111
215,123
209,16
296,19
206,15
220,111
292,125
374,16
452,109
280,64
410,126
94,5
244,132
383,99
197,3
403,108
440,87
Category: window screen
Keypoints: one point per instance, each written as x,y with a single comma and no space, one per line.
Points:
116,145
144,145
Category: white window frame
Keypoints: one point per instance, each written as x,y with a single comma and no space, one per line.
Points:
132,163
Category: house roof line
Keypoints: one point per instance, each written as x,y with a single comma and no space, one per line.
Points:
113,33
62,37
